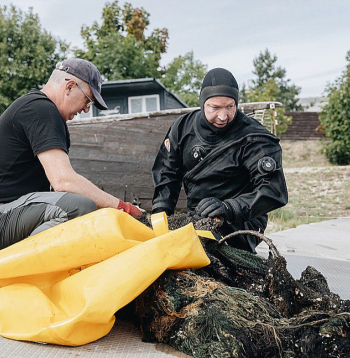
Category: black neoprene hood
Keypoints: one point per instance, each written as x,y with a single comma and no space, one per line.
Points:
218,82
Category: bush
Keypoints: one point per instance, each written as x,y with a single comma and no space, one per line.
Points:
335,118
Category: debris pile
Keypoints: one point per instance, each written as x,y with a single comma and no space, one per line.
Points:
242,305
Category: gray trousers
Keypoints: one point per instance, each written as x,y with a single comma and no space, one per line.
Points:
36,212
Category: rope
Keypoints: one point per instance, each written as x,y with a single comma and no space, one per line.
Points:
268,241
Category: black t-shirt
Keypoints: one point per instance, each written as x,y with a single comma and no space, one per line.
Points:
30,126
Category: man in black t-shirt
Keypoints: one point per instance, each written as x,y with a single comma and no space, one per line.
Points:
34,146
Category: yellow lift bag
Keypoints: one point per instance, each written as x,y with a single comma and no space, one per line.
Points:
64,285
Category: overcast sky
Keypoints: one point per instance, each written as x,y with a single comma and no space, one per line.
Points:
309,37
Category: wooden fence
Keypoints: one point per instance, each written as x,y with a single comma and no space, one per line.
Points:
304,126
117,153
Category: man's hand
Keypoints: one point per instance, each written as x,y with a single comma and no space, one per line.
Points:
214,208
130,209
159,210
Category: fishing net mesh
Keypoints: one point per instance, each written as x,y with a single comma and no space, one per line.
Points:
243,305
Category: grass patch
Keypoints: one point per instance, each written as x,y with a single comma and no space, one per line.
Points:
317,190
283,219
303,153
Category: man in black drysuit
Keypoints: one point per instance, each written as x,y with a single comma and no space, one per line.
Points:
230,164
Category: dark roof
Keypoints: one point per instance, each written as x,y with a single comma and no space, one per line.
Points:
140,83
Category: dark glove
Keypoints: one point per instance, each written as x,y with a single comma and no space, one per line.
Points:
130,209
214,208
159,210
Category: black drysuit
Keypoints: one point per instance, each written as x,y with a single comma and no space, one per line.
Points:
241,164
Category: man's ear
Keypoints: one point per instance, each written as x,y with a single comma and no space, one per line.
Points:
69,86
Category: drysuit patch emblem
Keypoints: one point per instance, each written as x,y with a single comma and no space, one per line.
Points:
167,144
198,153
266,165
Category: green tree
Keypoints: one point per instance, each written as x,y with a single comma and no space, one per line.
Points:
243,96
184,76
272,78
28,53
266,94
119,47
271,85
335,118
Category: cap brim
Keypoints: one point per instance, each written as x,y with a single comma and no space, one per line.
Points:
99,102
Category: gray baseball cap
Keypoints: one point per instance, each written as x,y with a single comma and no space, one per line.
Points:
88,73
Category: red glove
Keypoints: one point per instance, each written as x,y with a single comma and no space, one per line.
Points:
130,209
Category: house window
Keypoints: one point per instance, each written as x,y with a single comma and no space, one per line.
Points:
144,104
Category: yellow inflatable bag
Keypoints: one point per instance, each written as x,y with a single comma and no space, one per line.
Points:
64,285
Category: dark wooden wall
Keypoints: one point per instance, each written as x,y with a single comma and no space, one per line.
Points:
304,126
117,155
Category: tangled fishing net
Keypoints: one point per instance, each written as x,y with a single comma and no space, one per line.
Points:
242,305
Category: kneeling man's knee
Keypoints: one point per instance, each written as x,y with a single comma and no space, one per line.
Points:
76,205
86,206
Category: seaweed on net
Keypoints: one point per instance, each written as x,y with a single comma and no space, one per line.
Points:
211,324
205,318
242,305
236,267
320,334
